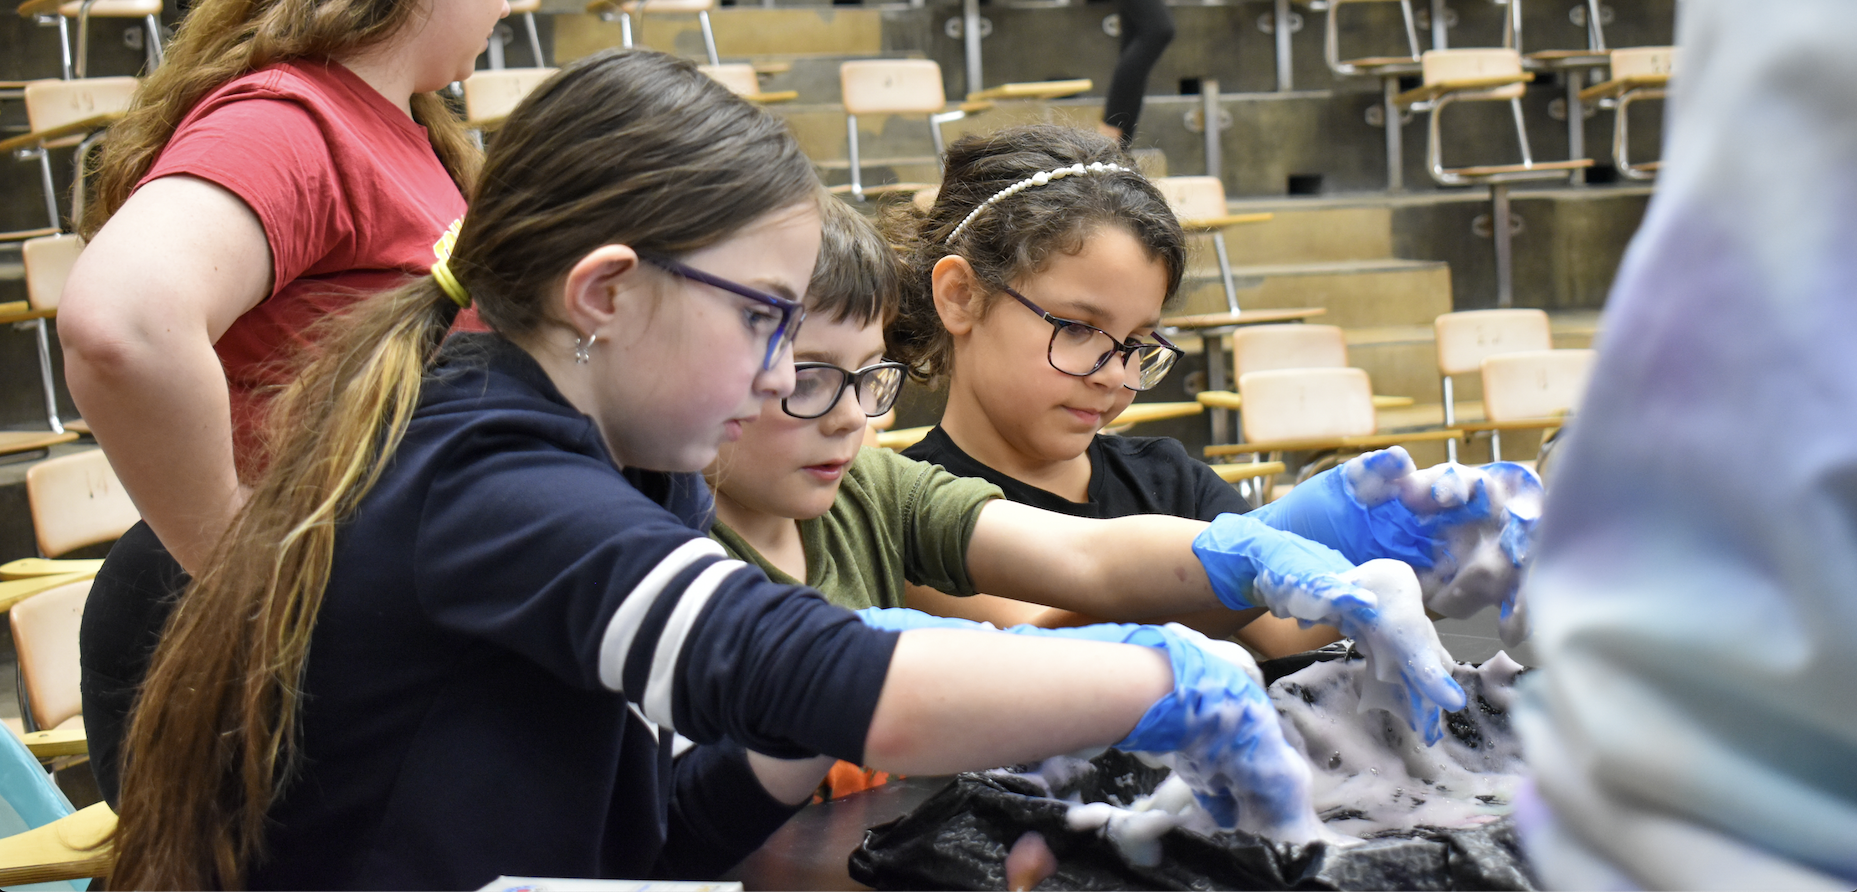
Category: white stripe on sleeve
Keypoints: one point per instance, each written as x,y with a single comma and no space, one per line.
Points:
631,613
658,689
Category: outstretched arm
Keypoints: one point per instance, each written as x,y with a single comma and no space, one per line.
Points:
955,698
1012,699
1131,569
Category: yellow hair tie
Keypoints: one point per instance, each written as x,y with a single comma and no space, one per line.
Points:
441,268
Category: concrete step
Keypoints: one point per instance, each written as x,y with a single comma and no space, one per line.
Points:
1356,293
1299,235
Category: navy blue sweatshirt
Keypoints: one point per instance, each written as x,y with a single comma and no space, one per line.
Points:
511,632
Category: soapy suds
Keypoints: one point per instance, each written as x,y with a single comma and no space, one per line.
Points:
1380,606
1371,776
1482,519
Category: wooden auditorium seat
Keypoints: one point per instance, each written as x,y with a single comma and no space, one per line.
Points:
1531,390
1464,339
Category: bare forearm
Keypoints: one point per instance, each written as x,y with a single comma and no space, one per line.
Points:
791,781
1125,569
159,408
957,700
154,290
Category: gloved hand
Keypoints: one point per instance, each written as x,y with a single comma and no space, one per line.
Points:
1225,739
1466,530
1218,724
1252,564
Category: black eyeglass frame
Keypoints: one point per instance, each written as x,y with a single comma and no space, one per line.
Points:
792,312
1126,348
852,381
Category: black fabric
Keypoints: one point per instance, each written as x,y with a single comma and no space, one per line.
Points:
959,838
129,602
1128,475
1147,28
719,813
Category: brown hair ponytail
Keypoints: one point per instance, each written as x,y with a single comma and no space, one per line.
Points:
1018,236
628,146
220,40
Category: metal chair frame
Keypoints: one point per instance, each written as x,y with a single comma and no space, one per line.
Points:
78,67
1389,75
1498,181
702,18
494,52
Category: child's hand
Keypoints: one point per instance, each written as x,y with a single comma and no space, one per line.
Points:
1225,739
1217,724
1466,530
1378,605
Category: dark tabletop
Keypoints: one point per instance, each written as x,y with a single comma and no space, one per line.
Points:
811,850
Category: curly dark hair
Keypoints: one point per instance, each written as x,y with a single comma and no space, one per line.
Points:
1018,235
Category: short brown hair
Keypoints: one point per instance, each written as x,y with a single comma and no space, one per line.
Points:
856,277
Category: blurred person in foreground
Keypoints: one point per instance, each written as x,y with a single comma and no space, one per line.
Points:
1694,727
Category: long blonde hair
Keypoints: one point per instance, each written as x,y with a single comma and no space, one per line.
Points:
220,40
628,146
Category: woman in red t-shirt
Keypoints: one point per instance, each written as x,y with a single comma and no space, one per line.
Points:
287,159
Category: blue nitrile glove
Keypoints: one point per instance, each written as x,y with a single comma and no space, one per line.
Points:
1217,722
1466,530
1220,728
1226,740
1253,564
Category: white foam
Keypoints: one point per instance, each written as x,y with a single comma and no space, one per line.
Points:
1369,773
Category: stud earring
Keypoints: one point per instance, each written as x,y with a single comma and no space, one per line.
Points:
583,348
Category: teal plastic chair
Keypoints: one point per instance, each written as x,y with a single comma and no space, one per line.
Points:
29,799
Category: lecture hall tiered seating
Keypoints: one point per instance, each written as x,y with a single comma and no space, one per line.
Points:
1331,162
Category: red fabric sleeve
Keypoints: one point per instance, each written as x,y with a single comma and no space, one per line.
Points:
273,156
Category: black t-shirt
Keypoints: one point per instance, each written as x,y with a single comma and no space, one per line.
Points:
1128,475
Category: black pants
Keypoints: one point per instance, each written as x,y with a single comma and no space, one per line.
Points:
1147,28
128,605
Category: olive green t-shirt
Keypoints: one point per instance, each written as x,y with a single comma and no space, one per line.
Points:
895,520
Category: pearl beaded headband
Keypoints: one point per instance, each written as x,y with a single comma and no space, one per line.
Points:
1038,179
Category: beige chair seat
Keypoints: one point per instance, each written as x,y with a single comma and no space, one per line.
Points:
744,80
1293,410
489,96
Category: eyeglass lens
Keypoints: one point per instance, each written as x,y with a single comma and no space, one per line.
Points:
1078,349
817,387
